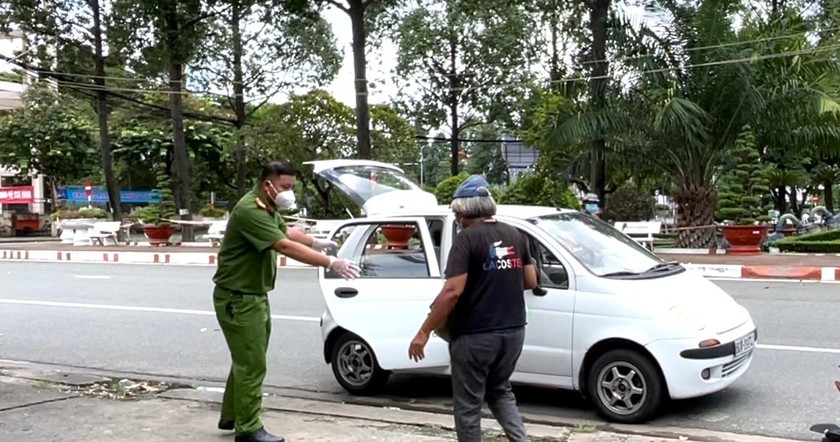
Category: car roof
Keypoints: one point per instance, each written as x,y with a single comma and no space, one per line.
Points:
506,210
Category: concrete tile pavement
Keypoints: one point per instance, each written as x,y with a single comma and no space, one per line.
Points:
40,410
805,267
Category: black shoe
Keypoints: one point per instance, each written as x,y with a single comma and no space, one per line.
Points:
258,436
225,424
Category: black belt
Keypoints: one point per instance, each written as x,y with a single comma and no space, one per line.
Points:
241,293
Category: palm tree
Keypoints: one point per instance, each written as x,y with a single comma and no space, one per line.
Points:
704,82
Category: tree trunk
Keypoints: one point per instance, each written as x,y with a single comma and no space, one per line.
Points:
180,158
696,208
598,10
780,199
103,113
829,196
357,21
239,101
454,144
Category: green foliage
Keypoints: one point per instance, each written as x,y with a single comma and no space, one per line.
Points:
539,189
159,213
629,203
746,186
446,188
82,213
463,54
52,134
808,246
211,211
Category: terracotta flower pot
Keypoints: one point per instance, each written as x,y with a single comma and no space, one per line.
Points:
159,235
398,235
745,239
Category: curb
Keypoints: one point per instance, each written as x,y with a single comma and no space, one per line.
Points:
737,271
727,271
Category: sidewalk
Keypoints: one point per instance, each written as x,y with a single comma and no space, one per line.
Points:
78,407
806,267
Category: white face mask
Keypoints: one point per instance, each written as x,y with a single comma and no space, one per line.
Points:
285,200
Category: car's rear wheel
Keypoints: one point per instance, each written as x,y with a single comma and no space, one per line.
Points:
625,386
355,366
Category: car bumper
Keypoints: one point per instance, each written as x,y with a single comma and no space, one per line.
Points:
683,363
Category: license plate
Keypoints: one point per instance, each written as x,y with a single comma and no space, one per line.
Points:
744,344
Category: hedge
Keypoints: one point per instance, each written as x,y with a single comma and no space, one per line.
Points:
808,246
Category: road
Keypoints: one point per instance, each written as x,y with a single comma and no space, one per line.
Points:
159,320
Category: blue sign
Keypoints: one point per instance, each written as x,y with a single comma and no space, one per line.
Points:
77,193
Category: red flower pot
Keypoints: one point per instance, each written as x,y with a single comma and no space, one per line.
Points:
398,235
745,239
159,235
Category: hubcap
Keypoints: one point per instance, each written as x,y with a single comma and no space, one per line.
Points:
621,388
355,363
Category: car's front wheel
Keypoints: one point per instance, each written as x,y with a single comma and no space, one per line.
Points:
625,386
355,366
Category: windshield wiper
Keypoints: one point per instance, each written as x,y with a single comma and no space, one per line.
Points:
662,265
620,273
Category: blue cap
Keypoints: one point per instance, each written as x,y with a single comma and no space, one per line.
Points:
474,186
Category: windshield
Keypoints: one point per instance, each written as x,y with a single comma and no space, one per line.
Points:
365,182
597,245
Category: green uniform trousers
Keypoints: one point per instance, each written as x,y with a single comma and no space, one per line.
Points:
245,320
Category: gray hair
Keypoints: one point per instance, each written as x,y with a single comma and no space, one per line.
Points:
474,207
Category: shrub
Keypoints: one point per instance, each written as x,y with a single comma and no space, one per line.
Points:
629,204
808,246
539,189
84,213
445,189
211,211
744,187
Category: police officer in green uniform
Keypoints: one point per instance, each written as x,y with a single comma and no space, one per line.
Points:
246,272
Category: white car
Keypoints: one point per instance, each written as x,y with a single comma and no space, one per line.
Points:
610,319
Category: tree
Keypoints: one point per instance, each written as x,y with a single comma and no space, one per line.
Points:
464,55
366,21
69,37
250,48
49,134
746,185
178,29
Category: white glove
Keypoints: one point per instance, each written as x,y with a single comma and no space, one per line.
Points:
345,268
323,244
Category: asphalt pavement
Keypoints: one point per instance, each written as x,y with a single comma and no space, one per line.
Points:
158,321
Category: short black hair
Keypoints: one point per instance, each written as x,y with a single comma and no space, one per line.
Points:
276,168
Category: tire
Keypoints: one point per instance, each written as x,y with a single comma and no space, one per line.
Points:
637,407
355,367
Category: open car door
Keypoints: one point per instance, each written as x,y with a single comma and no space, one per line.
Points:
387,304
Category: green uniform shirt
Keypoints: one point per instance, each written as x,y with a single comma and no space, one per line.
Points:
247,262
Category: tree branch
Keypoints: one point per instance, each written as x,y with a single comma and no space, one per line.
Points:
339,6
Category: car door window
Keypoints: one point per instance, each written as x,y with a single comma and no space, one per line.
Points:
384,250
551,272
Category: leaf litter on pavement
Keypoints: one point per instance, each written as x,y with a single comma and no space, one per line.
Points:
124,389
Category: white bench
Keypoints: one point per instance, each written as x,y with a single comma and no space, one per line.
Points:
216,232
641,231
322,228
101,231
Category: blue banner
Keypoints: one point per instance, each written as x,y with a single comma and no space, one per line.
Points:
77,193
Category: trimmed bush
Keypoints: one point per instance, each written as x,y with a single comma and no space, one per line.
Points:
808,246
445,189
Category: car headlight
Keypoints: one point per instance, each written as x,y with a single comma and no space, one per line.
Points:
689,317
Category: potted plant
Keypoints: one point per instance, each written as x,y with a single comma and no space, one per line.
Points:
744,192
398,235
156,216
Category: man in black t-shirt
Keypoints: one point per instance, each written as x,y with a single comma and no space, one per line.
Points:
483,305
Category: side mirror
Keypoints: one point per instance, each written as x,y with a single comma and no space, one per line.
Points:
539,291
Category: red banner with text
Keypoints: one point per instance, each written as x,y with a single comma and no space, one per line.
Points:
17,195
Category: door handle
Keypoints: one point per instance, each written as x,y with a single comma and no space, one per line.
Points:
346,292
